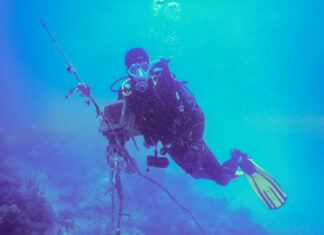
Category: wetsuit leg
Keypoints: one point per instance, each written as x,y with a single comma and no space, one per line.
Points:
200,163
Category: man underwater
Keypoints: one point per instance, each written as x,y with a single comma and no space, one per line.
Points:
166,111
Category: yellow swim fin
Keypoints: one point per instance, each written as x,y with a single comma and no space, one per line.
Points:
263,184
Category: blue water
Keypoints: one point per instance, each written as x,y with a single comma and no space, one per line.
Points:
255,67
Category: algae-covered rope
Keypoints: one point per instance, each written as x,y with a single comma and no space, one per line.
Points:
120,196
115,160
82,88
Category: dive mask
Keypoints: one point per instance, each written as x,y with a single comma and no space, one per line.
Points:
139,69
140,72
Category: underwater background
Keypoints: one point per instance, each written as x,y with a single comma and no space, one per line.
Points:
255,67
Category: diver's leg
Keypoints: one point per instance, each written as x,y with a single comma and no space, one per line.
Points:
200,163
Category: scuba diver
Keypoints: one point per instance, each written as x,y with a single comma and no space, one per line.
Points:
166,111
152,103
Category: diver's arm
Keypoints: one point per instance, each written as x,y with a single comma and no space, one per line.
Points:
193,117
160,69
197,128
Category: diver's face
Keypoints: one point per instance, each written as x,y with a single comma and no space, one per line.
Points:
139,70
140,73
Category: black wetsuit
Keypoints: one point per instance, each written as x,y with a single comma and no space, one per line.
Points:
168,112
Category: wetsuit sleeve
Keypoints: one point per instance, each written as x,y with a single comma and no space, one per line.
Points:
193,117
164,86
164,81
